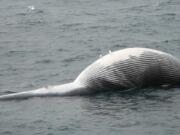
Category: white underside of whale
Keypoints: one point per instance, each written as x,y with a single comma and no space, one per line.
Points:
126,68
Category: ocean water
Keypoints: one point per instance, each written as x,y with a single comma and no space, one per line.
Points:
49,42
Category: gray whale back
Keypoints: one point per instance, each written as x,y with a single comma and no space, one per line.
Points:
119,70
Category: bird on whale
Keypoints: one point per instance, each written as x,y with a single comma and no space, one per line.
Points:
120,70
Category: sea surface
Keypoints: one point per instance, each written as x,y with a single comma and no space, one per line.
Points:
49,42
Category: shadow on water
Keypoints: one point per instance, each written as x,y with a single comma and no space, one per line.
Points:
139,100
150,93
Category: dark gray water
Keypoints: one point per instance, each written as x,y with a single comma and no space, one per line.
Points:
49,42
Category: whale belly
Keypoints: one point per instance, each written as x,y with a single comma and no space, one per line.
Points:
149,68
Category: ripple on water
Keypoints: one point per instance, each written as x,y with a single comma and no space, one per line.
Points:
75,58
6,133
44,61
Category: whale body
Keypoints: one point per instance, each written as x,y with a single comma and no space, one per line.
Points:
120,70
